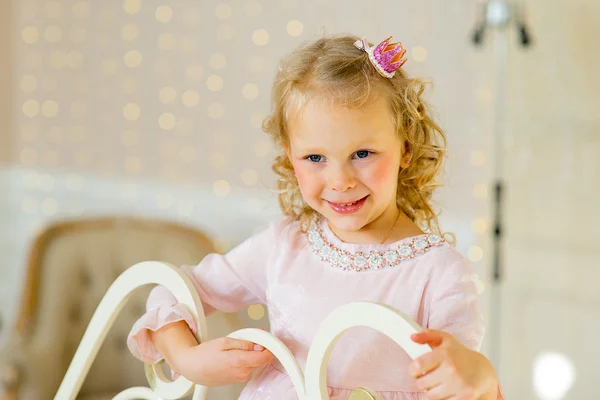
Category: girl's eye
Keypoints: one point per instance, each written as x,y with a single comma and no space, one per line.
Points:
315,158
362,154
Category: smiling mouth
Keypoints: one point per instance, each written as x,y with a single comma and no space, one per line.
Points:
347,204
348,208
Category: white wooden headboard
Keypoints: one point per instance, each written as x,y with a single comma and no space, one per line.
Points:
310,384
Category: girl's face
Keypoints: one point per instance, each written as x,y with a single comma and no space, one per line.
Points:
347,163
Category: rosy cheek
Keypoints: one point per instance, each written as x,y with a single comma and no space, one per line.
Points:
299,172
382,172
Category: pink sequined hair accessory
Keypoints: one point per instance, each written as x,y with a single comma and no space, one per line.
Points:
386,57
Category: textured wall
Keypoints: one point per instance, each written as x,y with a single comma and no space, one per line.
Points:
177,90
6,100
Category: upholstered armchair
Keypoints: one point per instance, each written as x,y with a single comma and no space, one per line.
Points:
71,266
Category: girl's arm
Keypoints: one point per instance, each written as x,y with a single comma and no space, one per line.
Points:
171,341
217,362
227,283
456,334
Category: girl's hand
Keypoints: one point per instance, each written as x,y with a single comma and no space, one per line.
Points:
220,362
452,371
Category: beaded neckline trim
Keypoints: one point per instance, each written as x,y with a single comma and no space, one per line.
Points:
374,260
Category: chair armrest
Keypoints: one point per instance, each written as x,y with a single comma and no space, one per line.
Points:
10,370
10,377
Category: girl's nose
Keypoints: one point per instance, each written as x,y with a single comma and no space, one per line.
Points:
341,179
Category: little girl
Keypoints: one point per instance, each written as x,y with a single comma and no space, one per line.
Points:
360,155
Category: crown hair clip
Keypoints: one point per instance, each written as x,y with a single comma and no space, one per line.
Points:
386,57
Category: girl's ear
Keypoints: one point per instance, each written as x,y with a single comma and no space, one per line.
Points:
406,155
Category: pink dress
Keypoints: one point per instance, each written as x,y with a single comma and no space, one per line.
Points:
301,278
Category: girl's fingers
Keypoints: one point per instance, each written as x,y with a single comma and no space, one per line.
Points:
440,392
431,379
236,344
425,364
431,337
250,359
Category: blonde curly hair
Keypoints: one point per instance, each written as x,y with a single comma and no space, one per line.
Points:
333,68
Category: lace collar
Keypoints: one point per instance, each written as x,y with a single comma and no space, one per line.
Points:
375,259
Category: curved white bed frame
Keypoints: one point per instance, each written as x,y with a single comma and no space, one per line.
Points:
310,384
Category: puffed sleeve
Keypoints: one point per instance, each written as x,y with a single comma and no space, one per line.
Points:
454,307
227,283
454,304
